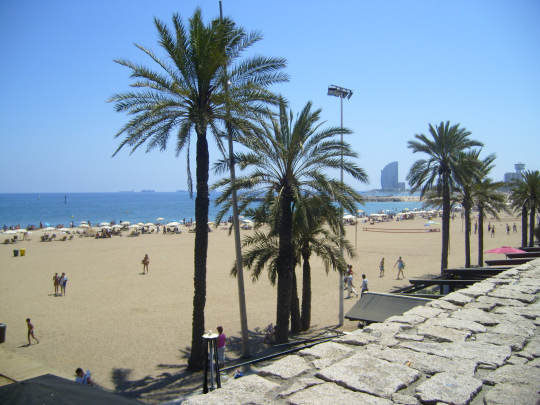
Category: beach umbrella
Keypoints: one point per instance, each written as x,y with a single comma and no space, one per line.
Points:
134,226
149,224
49,228
117,226
104,224
140,224
505,249
10,232
160,219
174,223
83,222
47,224
406,209
64,229
106,227
126,223
83,226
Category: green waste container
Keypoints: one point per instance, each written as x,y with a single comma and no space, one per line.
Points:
2,332
15,252
23,251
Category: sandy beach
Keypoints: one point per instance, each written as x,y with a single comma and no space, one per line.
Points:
133,331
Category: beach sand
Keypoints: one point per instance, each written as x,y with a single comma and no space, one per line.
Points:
133,331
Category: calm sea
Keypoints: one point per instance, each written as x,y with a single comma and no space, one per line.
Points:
60,208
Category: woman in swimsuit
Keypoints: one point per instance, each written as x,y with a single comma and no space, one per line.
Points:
381,268
56,283
401,266
145,262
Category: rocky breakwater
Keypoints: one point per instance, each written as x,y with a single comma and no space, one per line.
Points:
480,345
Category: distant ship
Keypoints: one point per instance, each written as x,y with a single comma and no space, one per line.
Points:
127,191
147,191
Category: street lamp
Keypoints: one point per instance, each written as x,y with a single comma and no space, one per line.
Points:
342,93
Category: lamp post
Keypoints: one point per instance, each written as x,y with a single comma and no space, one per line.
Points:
342,93
356,229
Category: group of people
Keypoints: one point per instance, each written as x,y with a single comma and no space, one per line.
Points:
348,283
60,283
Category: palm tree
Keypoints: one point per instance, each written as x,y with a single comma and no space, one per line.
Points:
520,203
472,170
489,200
193,91
310,237
440,170
527,193
288,158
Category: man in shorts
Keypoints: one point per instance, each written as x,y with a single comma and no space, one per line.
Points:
30,332
63,282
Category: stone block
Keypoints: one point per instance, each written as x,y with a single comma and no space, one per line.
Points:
385,329
522,374
325,354
442,334
533,363
515,342
517,361
442,304
330,393
476,315
425,312
288,367
512,394
513,329
513,295
300,384
449,388
533,347
500,302
482,305
250,389
516,320
458,324
457,298
404,399
408,336
522,288
423,362
407,319
526,312
478,289
356,339
370,375
484,354
529,281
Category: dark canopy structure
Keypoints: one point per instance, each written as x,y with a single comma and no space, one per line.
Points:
49,389
376,307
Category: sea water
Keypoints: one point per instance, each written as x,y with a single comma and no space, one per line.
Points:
62,208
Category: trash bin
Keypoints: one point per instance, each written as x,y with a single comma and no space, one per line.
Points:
2,332
15,252
23,251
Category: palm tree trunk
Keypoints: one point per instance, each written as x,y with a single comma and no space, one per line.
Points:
531,225
467,235
306,292
296,324
524,215
481,237
285,268
445,224
202,203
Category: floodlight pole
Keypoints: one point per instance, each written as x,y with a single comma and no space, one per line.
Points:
341,93
237,244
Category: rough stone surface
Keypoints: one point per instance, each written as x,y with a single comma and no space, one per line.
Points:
287,367
404,399
514,295
408,336
370,375
515,342
441,304
516,361
476,315
331,393
482,305
513,329
516,320
533,363
426,363
442,334
512,394
325,354
384,329
250,389
458,324
299,385
533,347
525,354
527,312
457,298
522,374
500,302
529,281
356,338
407,319
478,289
522,288
485,354
425,312
449,388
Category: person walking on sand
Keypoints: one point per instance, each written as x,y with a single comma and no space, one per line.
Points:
145,263
63,282
493,231
364,285
56,282
514,228
400,265
221,340
350,286
507,229
381,268
30,331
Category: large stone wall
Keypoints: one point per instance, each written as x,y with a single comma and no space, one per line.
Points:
480,345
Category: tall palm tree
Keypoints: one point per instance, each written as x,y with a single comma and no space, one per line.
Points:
471,170
439,171
527,193
488,200
194,91
520,204
288,158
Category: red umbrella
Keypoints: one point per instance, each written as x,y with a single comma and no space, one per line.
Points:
505,249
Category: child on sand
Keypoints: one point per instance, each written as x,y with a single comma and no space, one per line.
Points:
30,332
221,340
381,268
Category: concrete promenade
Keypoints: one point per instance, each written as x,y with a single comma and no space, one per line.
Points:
480,345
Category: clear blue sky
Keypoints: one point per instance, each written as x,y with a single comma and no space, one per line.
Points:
410,63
